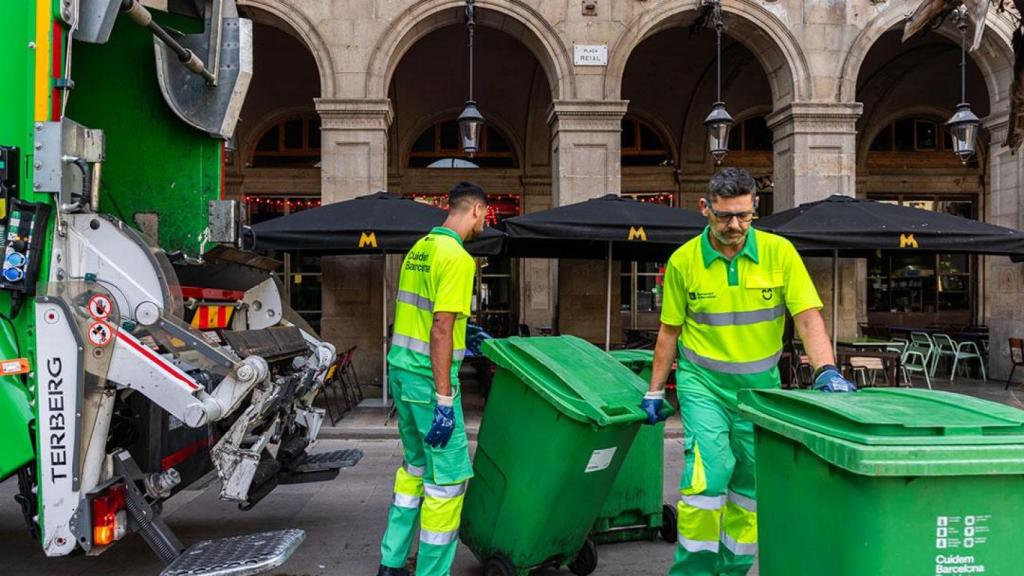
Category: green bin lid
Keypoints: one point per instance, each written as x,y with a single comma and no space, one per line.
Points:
576,377
895,431
637,360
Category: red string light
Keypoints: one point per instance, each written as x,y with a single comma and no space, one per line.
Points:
280,204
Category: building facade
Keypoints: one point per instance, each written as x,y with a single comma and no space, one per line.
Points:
351,97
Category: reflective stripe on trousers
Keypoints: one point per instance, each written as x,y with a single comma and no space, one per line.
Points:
739,525
421,347
408,487
706,521
441,513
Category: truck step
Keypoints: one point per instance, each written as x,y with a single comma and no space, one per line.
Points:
321,467
237,555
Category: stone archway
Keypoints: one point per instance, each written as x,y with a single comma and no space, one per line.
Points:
756,27
301,27
513,17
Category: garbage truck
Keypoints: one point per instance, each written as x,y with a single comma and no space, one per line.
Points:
141,349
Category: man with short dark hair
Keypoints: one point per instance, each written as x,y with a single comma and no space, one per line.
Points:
435,288
726,294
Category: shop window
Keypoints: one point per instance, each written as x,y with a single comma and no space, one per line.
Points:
914,142
921,283
301,276
641,145
438,147
291,143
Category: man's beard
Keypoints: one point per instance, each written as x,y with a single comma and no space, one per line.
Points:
724,239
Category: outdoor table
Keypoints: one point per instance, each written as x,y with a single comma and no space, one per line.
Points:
890,361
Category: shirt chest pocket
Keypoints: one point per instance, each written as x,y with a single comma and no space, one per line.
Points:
765,286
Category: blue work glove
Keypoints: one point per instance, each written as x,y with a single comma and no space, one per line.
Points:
652,405
444,423
828,379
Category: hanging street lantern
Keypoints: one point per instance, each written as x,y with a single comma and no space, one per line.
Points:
719,122
963,126
471,122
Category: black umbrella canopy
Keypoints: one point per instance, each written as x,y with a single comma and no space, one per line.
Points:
636,230
857,227
370,224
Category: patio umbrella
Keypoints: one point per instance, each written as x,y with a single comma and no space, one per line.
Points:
610,227
379,223
844,226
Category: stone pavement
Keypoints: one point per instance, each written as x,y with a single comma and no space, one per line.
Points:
343,519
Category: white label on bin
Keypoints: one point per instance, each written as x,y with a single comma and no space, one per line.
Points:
600,460
960,532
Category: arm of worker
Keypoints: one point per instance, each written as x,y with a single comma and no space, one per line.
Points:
811,328
441,364
664,355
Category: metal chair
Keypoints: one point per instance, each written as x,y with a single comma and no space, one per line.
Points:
915,359
867,368
1016,356
966,350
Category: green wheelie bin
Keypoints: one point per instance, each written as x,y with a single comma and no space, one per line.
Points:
887,481
558,422
634,509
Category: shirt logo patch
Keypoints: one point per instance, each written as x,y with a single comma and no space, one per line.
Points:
767,293
702,295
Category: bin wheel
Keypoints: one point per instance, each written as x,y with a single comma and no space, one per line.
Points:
669,519
586,559
499,566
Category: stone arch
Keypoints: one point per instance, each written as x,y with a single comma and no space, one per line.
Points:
514,17
876,124
767,37
303,28
409,137
994,57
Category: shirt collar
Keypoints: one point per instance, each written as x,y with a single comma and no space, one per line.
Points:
447,232
709,253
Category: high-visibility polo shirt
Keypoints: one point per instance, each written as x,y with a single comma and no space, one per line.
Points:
437,276
733,312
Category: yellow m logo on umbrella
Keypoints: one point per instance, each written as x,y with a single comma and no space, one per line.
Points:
637,233
368,239
908,241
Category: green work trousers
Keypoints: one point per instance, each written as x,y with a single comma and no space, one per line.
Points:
717,532
430,484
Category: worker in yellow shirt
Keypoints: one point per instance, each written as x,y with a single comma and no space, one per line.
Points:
726,294
435,288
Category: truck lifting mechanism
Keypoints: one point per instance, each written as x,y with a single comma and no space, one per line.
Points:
131,369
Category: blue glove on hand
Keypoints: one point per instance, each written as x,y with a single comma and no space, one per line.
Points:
828,379
652,404
444,423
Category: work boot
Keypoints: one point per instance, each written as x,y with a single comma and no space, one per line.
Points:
386,571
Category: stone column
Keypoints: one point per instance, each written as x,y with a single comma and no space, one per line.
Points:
354,163
585,154
816,157
1002,283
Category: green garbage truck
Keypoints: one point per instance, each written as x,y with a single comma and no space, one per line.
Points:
140,348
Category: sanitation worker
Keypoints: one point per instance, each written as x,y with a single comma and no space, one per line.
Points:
726,294
435,288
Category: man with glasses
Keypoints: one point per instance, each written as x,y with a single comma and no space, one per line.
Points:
725,300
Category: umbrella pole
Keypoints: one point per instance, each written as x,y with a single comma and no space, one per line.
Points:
384,333
608,305
835,299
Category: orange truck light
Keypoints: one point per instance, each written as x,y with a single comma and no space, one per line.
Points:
109,518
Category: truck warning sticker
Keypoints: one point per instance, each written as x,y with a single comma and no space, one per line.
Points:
100,307
100,333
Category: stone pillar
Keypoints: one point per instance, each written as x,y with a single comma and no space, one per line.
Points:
537,296
1002,284
816,157
354,163
586,150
